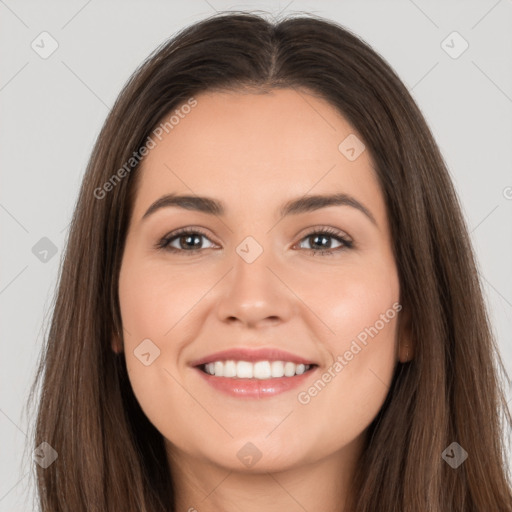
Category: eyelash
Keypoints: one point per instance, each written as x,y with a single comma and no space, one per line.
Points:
329,232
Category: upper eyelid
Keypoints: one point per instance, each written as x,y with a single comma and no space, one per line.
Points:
314,229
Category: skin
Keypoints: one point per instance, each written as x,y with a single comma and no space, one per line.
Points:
254,152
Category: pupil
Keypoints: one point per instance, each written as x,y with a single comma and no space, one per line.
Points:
322,237
187,239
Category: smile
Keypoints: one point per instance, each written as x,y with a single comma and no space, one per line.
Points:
262,370
252,380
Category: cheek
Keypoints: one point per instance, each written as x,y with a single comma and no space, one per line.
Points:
153,300
154,305
361,307
358,308
348,298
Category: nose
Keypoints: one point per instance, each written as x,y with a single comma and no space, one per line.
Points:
254,294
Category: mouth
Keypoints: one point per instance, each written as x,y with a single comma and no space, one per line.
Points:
262,370
244,373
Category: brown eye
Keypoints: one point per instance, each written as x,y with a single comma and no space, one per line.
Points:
188,241
185,241
323,239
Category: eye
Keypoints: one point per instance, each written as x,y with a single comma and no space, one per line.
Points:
321,238
187,240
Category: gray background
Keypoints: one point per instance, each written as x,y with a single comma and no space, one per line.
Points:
52,110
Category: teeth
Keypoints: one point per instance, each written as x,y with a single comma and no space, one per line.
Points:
229,369
259,370
277,368
289,369
244,370
218,368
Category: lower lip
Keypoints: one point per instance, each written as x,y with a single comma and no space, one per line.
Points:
255,388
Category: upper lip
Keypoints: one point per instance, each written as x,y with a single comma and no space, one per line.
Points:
251,355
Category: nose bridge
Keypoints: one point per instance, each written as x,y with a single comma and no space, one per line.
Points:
251,263
253,292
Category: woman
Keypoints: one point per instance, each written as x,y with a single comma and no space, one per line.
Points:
269,299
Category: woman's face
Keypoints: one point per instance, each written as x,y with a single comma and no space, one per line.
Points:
248,279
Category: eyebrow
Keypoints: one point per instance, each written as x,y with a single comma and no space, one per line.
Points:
293,207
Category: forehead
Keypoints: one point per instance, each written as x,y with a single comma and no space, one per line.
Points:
256,149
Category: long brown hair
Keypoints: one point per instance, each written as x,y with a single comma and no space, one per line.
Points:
110,457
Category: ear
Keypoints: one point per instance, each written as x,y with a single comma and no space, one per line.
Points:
405,339
117,343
